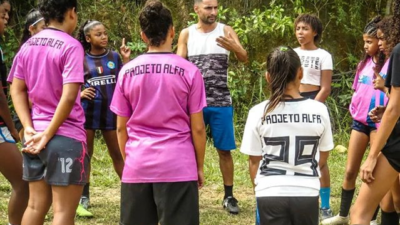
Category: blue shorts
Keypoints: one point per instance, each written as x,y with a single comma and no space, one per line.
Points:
220,120
360,127
5,135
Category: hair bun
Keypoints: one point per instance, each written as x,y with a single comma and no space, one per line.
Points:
153,9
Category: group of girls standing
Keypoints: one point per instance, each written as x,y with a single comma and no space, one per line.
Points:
369,93
381,169
374,84
287,156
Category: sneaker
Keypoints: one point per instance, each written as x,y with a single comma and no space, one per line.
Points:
82,212
230,204
85,202
325,213
336,220
373,222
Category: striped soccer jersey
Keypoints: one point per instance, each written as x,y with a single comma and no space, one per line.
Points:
101,73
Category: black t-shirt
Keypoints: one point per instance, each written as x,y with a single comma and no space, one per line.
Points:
3,77
393,79
393,73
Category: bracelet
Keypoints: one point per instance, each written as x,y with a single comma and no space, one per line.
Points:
387,93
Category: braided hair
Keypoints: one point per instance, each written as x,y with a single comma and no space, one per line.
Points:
371,30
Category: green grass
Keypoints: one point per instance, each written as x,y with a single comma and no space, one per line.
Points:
105,193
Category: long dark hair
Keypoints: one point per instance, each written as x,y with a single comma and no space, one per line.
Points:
32,18
370,29
155,20
84,30
282,66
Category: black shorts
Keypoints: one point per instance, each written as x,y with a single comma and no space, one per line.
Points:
391,150
175,203
64,161
358,126
288,210
310,95
17,123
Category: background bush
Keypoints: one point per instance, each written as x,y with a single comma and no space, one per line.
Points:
260,24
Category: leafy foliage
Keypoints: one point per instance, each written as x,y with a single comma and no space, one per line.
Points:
260,25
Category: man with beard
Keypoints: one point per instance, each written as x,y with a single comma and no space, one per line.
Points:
207,44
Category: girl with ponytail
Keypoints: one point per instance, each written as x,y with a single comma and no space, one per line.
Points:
288,139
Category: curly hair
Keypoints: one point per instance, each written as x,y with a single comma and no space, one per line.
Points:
84,30
384,26
155,20
55,9
313,21
395,28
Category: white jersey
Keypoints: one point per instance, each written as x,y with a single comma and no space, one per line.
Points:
313,62
289,139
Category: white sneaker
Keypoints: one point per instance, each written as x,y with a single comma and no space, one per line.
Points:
373,222
336,220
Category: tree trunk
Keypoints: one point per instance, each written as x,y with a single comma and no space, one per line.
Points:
388,7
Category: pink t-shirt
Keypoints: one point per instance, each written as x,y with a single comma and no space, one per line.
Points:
46,62
365,97
158,92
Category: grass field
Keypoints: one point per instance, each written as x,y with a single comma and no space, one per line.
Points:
105,192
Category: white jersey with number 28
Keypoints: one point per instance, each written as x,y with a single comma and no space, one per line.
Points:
289,139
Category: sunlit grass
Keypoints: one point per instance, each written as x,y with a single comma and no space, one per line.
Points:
105,190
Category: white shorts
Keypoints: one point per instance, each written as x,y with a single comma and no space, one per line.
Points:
5,135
